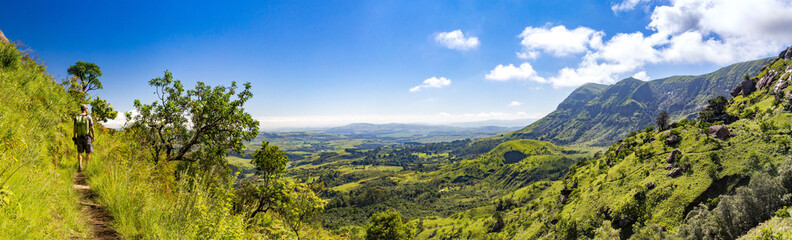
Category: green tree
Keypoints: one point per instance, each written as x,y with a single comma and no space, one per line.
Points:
715,111
85,76
204,123
296,204
101,110
387,225
662,120
10,58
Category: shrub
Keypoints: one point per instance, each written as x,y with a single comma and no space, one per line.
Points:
10,58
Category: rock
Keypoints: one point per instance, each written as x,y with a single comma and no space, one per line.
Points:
565,192
669,166
652,139
673,139
720,132
783,53
781,85
674,155
562,199
3,37
747,86
650,185
735,91
666,133
674,173
765,80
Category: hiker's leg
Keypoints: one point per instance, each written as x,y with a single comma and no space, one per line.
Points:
79,159
87,158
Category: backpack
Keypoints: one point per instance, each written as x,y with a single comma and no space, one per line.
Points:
82,123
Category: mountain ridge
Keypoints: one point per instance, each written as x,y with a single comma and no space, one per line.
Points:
598,115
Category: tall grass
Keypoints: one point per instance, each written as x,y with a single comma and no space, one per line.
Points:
36,197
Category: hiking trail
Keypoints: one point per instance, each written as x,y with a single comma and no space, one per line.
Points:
99,217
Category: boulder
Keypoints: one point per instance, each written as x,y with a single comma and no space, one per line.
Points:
748,86
650,185
674,173
674,155
735,91
781,85
786,54
720,132
562,199
3,37
669,166
765,80
673,139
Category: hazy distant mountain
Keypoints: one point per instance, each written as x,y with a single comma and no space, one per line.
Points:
399,129
596,114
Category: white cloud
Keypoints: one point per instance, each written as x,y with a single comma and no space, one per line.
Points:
641,76
119,121
683,31
558,41
457,40
514,104
432,82
510,72
626,5
271,123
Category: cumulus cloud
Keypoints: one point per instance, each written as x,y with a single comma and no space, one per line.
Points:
682,31
558,41
457,40
641,76
510,72
514,104
432,82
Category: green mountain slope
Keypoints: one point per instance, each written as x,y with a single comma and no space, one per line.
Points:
717,186
598,115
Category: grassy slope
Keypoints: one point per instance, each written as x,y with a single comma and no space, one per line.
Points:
603,194
34,134
600,115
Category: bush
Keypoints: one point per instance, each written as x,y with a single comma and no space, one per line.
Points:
10,58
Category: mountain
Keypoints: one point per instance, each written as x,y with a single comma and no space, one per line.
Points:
724,181
598,115
405,130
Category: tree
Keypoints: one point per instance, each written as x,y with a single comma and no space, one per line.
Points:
101,110
295,203
201,124
86,76
662,120
387,225
715,110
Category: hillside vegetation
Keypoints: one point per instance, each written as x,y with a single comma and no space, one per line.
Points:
599,115
691,181
36,198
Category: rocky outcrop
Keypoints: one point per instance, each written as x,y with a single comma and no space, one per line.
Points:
673,139
747,86
3,37
674,173
674,156
650,185
786,54
720,132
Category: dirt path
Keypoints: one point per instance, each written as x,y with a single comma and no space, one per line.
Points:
100,218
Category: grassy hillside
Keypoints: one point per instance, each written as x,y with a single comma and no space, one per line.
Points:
599,115
716,188
36,157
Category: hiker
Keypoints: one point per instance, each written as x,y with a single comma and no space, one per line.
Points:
83,126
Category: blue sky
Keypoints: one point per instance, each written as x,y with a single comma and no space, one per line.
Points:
322,63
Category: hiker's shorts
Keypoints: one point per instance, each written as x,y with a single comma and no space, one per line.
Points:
84,144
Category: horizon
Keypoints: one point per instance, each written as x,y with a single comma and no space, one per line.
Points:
336,63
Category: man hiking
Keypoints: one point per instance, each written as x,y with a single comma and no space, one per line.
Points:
83,135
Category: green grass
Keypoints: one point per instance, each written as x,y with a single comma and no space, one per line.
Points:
36,196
